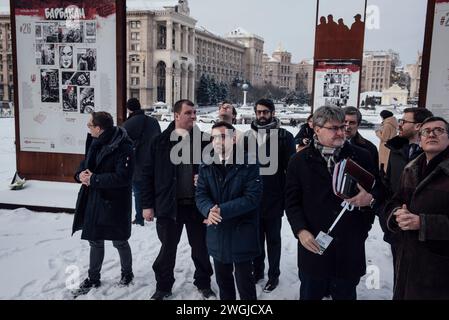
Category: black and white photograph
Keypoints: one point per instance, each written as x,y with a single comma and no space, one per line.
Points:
87,59
38,32
70,32
50,32
346,79
69,99
75,78
49,85
336,78
45,54
66,57
91,31
87,100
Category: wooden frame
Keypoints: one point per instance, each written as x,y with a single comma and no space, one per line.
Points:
61,166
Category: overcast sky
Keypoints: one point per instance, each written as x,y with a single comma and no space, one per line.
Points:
292,22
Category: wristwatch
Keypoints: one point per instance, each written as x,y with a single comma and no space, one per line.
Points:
372,203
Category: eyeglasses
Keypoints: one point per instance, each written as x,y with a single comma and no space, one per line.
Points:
264,112
403,121
438,131
335,129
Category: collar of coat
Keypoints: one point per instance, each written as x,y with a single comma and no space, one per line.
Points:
118,137
359,140
414,167
165,135
396,143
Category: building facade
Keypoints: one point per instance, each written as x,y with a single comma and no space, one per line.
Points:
6,61
278,70
161,53
253,58
218,58
414,71
376,71
304,76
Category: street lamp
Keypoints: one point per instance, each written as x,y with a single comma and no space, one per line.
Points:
245,91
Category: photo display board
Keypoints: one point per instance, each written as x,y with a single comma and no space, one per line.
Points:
65,50
438,82
336,83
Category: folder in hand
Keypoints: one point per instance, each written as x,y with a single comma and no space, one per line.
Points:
347,174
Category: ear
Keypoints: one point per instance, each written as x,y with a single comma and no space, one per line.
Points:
273,113
316,129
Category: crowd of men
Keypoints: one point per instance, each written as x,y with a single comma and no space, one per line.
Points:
231,188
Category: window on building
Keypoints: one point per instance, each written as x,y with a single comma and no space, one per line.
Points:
135,36
135,47
135,81
134,57
134,69
135,93
135,24
162,37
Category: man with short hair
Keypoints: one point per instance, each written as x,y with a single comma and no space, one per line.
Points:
169,195
103,207
403,149
418,214
141,129
228,196
267,136
353,119
312,207
227,112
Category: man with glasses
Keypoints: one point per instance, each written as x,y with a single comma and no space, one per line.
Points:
265,137
312,207
103,208
228,196
353,118
403,149
418,214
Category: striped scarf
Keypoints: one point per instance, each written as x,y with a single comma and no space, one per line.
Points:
329,154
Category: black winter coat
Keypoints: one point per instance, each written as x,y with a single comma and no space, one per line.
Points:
272,202
361,142
103,210
236,238
312,205
142,130
305,132
159,173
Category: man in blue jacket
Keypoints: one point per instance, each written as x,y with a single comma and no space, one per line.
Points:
228,195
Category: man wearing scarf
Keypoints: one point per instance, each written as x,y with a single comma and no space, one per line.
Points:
277,145
312,206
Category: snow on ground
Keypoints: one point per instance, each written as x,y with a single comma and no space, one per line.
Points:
38,256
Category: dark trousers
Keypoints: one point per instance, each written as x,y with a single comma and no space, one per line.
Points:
313,288
97,256
137,190
243,278
394,253
169,233
270,230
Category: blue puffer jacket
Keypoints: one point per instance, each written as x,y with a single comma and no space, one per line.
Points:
235,238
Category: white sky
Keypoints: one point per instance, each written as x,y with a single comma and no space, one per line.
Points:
292,22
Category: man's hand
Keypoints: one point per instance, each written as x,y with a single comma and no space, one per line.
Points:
308,241
407,220
85,177
148,214
214,216
362,199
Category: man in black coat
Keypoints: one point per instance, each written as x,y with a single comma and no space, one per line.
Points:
403,149
272,143
169,195
228,196
103,208
141,129
312,206
353,118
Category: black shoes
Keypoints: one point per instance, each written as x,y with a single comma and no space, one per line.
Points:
126,280
271,285
142,223
160,295
207,293
85,287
